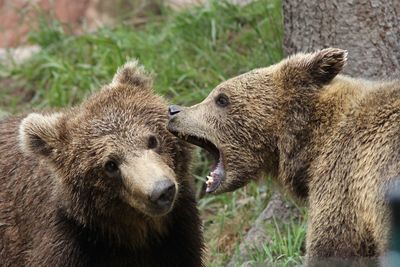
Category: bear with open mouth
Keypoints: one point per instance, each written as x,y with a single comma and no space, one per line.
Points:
100,184
330,140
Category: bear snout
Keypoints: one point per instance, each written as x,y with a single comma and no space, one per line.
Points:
163,194
173,110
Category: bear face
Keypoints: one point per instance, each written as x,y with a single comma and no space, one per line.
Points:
253,122
112,156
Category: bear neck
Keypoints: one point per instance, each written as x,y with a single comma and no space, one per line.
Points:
307,118
295,124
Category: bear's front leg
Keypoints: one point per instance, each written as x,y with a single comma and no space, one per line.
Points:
336,239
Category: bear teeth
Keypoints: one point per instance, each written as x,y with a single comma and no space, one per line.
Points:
210,180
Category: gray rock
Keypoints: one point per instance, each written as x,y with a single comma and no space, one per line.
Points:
17,55
3,114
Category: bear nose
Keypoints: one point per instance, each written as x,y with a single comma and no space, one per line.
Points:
174,109
163,193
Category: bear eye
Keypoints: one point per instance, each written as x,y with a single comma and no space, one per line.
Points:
222,100
111,167
152,143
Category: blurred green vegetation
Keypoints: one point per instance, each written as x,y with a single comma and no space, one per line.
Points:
189,52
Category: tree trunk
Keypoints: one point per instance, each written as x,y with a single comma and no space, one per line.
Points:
368,29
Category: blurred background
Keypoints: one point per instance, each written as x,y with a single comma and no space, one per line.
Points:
54,53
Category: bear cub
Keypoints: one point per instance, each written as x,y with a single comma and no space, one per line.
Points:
100,184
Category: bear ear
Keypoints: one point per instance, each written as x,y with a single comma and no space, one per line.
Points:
40,134
132,73
326,64
317,68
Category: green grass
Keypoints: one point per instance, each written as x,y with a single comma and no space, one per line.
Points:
285,246
226,217
287,240
189,53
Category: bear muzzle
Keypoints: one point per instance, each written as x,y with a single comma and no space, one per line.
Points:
149,184
163,194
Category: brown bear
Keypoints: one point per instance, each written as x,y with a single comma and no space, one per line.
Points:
101,184
332,141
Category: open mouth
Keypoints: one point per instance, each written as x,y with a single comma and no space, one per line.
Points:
217,174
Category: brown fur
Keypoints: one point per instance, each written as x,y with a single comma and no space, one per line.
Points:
330,140
58,206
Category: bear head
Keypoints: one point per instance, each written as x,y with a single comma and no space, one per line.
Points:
254,123
112,158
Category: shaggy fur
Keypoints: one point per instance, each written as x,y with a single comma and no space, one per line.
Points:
58,206
330,140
